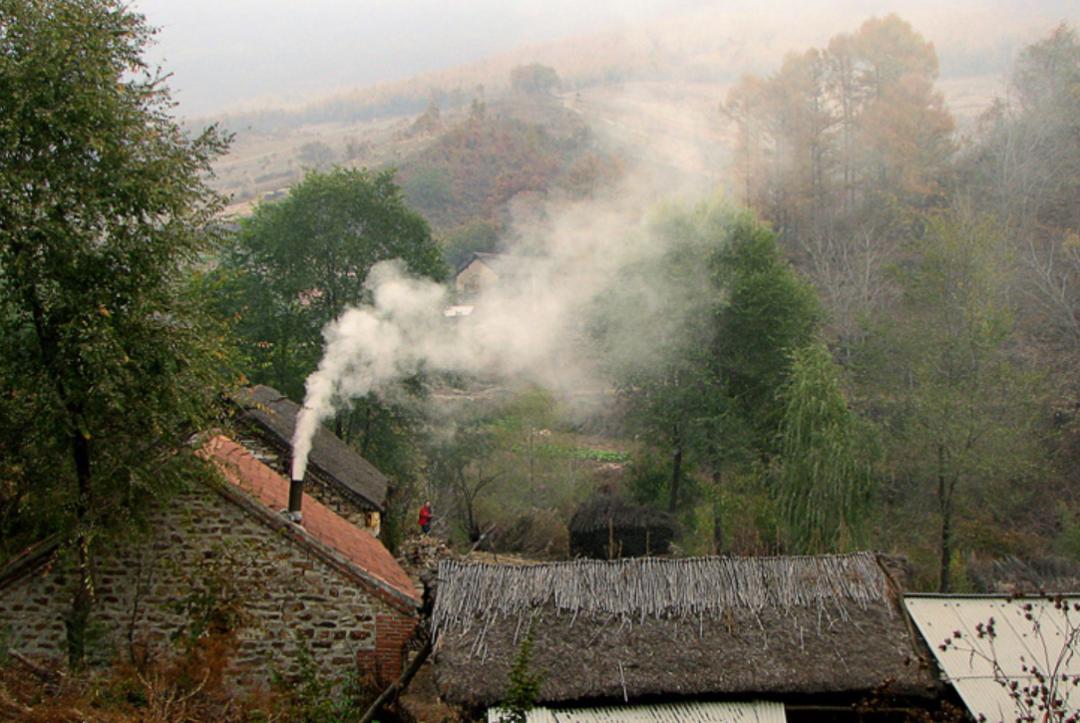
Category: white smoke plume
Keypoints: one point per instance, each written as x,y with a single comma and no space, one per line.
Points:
529,327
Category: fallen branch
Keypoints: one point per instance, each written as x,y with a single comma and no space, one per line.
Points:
400,684
483,536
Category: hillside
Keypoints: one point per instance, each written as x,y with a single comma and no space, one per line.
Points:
648,95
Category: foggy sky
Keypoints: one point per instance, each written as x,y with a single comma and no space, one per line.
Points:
227,52
233,53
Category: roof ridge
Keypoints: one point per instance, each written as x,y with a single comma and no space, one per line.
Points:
702,587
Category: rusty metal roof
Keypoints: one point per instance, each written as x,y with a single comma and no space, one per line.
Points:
1027,631
743,712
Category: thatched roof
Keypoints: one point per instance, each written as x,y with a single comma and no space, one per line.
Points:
595,513
606,520
273,416
1011,575
626,629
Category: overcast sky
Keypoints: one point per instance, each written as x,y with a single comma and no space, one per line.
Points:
225,52
228,53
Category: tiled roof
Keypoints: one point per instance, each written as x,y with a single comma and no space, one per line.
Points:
274,417
359,547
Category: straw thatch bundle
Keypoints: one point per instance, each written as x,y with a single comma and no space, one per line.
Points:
645,627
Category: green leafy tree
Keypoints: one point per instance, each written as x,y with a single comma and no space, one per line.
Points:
958,411
656,329
297,263
768,312
108,362
827,455
698,337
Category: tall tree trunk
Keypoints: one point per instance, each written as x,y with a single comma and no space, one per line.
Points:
945,507
365,444
83,598
676,469
718,527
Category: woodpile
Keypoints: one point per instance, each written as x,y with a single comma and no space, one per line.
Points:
422,552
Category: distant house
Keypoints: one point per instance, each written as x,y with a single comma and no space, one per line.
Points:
337,475
818,634
221,557
607,526
483,271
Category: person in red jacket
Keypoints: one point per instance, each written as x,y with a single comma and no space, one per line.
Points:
425,517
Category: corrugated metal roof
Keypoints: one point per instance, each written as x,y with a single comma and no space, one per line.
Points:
744,712
978,666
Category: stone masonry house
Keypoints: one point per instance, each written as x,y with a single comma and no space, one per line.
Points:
221,557
337,476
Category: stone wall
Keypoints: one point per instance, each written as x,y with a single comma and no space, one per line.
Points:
203,565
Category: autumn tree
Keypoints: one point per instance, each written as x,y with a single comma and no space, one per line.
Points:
108,363
840,149
1024,170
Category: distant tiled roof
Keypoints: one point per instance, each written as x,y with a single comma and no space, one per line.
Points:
320,524
274,415
502,264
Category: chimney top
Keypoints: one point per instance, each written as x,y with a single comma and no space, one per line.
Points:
296,497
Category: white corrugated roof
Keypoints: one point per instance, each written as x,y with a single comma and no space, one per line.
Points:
746,712
978,666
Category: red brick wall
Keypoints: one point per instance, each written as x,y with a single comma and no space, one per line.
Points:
393,632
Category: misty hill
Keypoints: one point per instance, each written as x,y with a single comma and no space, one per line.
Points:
650,93
467,178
